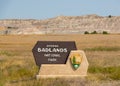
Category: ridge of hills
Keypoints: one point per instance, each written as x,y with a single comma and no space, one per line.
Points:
61,25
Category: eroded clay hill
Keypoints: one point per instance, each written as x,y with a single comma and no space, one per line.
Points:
61,25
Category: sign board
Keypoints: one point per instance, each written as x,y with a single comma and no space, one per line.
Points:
76,66
52,52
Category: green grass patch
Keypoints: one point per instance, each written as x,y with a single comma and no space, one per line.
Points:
107,72
8,53
1,80
17,72
46,82
103,49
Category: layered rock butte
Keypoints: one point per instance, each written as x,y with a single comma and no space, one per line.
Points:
61,25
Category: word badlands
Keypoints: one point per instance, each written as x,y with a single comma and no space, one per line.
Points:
59,50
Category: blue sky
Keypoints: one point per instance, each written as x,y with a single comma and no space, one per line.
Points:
43,9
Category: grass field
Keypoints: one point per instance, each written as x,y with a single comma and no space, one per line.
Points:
18,68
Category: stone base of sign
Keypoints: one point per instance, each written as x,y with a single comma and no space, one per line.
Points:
64,70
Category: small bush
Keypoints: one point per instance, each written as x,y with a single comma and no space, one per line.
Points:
105,32
94,32
109,16
86,32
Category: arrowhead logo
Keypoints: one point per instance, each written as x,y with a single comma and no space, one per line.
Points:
76,60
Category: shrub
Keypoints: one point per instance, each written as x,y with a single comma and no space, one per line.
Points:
105,32
109,16
86,32
94,32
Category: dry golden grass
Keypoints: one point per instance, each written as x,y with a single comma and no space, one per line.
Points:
2,28
82,41
17,65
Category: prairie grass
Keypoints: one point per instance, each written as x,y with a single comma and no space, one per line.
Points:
103,49
112,73
8,53
18,68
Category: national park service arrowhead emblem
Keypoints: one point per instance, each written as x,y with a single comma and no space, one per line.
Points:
76,59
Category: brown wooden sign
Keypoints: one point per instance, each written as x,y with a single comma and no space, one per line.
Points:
52,52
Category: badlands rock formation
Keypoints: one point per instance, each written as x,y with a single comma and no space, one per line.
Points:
61,25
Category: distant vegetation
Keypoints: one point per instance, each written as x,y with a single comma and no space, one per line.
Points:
86,32
95,32
105,32
109,16
12,27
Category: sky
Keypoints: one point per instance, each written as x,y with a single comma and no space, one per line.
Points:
43,9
